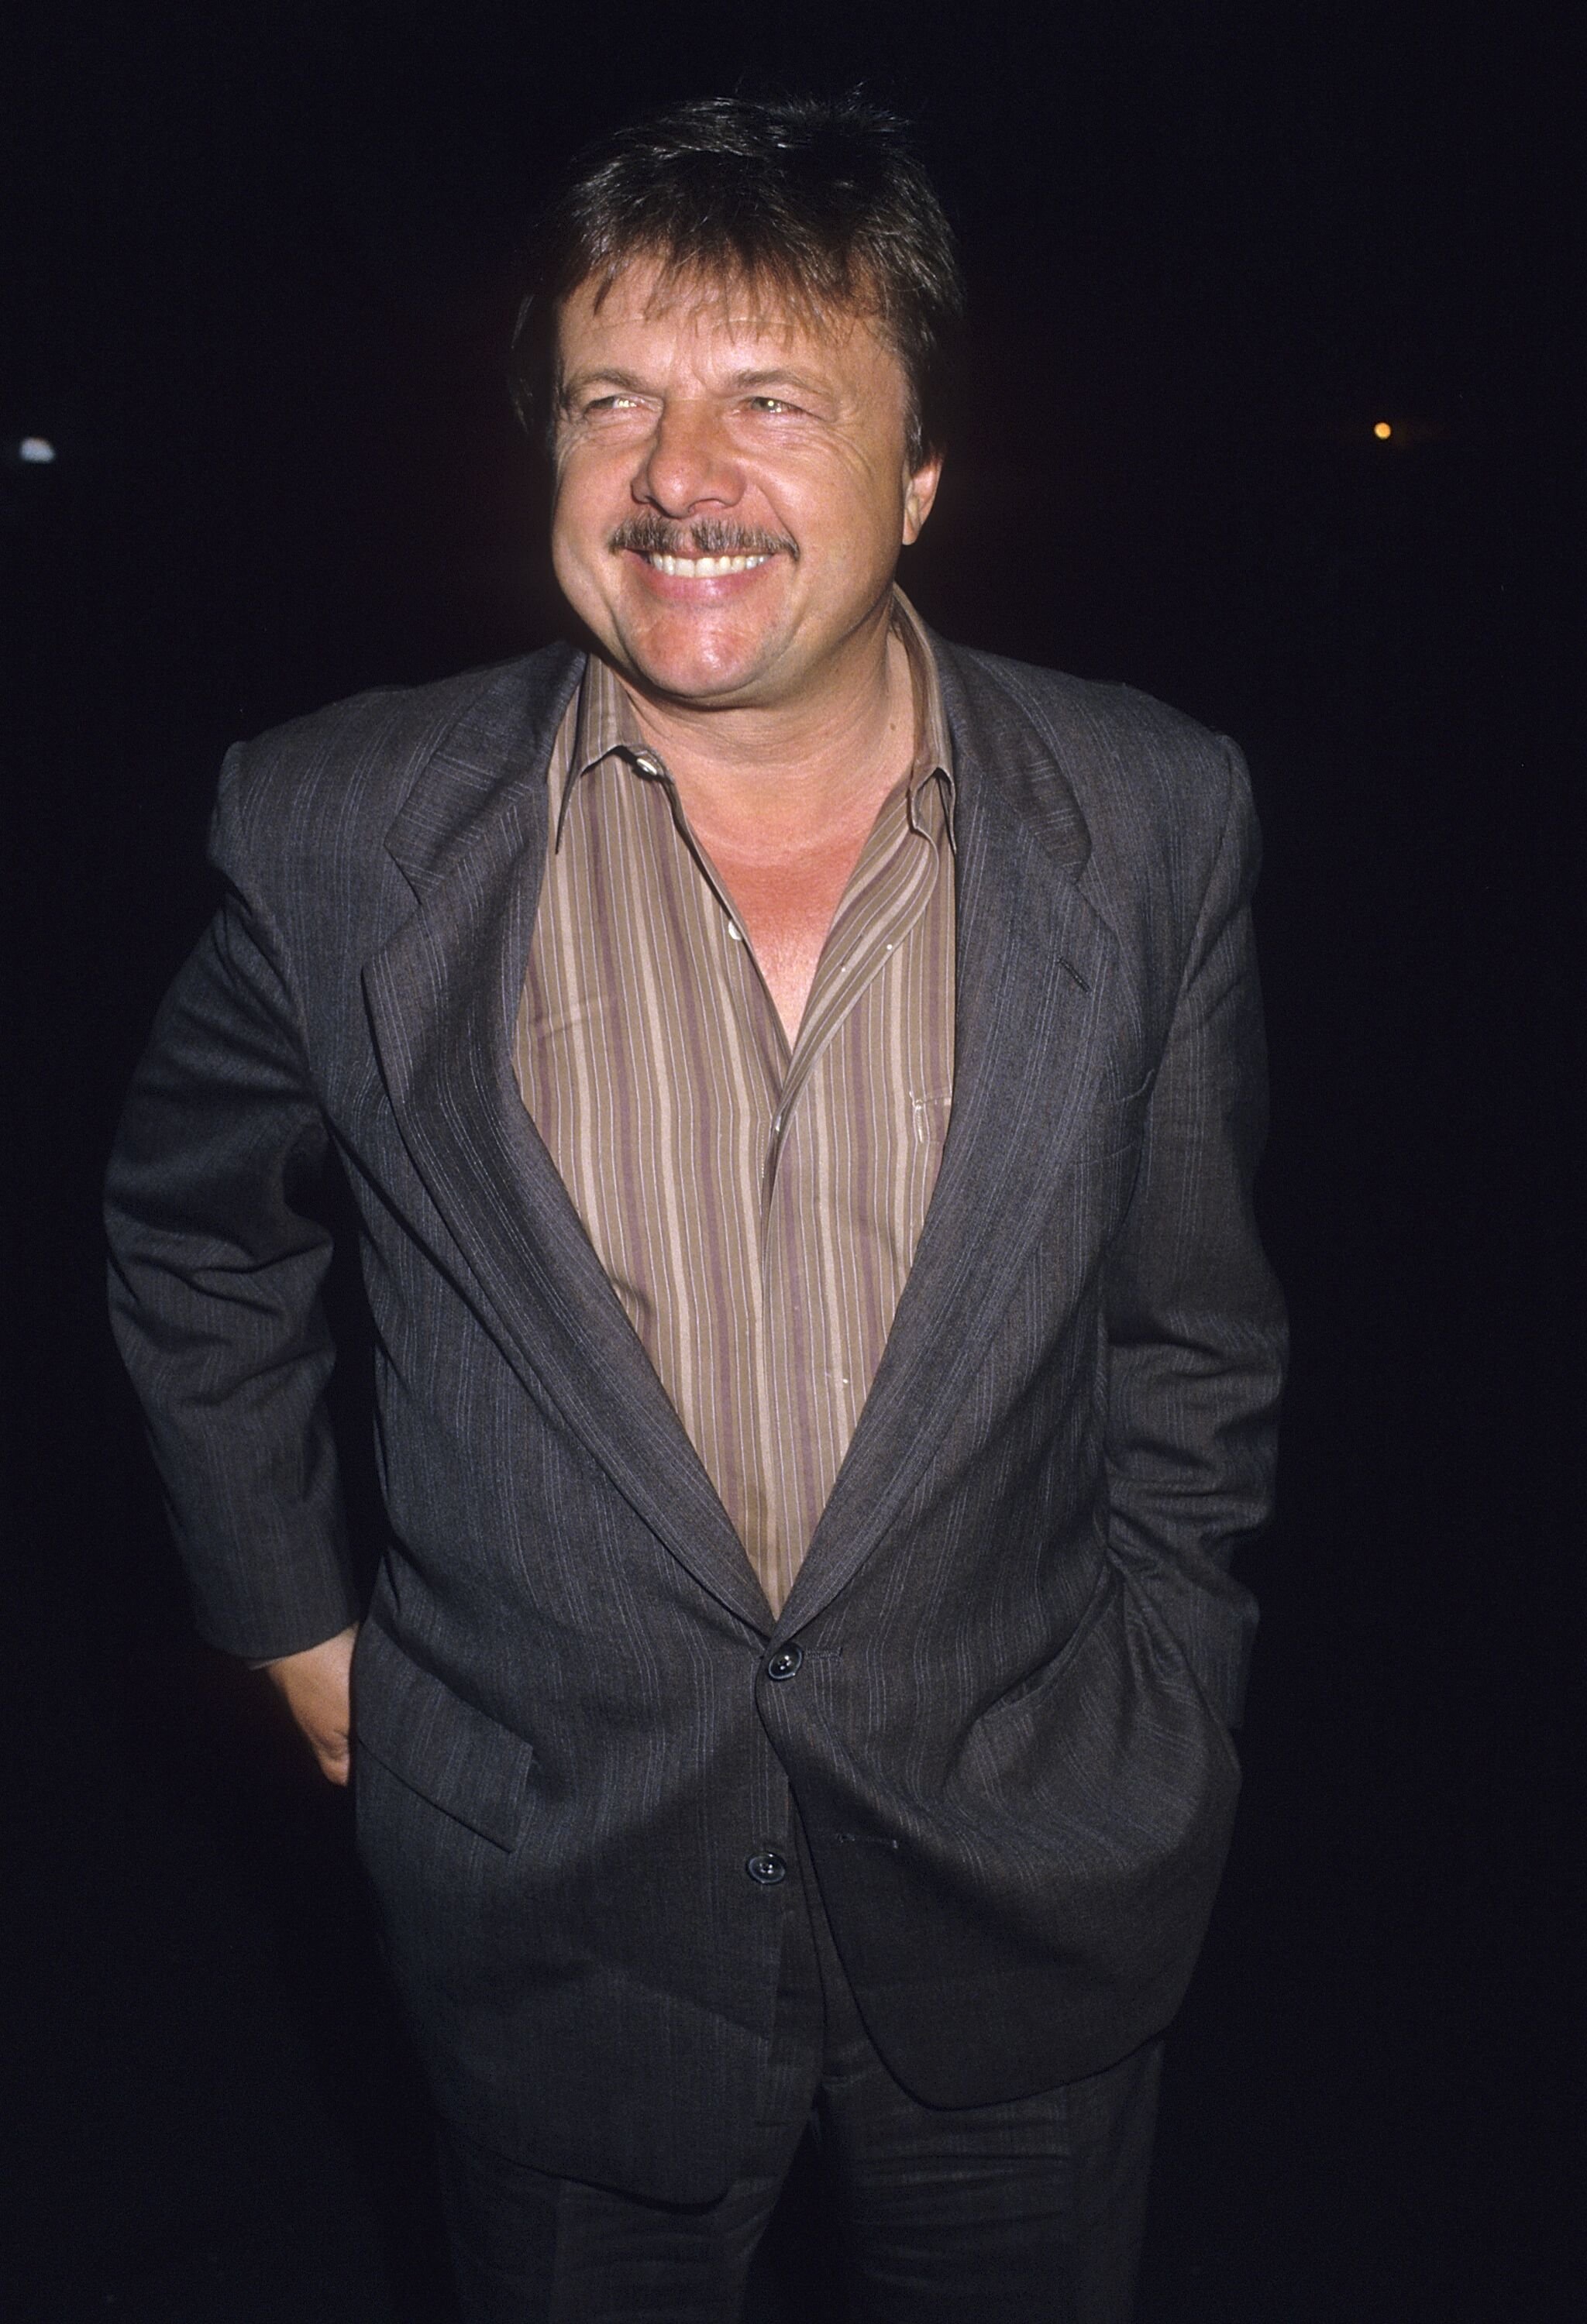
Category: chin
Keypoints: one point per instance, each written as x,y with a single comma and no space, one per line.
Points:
693,673
681,683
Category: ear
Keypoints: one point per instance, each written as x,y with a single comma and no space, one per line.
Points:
919,492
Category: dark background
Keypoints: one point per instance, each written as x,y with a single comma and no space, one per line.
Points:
260,274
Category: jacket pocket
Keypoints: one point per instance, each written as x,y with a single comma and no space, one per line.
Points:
1025,1691
459,1758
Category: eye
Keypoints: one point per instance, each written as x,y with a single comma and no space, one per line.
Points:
772,403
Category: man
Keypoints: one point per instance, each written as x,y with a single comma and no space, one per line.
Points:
800,1083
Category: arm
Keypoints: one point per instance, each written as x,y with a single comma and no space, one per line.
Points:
1194,1321
316,1686
216,1272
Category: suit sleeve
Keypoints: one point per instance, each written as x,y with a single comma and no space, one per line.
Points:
216,1265
1194,1321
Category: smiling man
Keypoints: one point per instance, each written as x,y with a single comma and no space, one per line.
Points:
801,1083
732,487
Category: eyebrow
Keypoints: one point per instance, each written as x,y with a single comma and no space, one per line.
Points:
780,374
568,387
775,375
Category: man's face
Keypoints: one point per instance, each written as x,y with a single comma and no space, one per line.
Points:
732,488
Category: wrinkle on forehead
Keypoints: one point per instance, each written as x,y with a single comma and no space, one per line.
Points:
760,301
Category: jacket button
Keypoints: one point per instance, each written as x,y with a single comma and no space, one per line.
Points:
768,1868
784,1662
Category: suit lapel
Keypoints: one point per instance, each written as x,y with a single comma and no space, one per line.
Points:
1035,999
442,995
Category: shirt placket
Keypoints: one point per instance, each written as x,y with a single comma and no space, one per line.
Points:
799,1420
808,1416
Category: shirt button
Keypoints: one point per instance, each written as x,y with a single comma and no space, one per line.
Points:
735,933
784,1662
768,1868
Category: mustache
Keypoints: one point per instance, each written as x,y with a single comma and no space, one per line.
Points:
650,534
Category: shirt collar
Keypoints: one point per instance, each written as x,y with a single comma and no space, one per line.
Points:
606,723
934,749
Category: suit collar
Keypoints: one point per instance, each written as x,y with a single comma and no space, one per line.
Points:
481,787
1018,753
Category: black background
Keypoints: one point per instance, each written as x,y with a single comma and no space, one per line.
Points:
260,274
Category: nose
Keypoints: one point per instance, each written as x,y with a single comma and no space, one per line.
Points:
687,464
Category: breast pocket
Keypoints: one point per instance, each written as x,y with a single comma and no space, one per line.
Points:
1117,1123
1108,1158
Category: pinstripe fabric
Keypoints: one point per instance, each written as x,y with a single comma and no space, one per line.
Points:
756,1211
1020,1639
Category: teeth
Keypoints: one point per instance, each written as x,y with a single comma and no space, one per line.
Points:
704,569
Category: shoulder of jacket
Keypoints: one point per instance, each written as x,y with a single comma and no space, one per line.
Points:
1102,735
341,773
1133,797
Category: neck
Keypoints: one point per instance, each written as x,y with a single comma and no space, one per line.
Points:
784,769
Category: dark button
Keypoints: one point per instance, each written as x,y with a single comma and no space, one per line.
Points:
784,1662
768,1868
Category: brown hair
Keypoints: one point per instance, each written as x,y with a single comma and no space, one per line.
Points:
819,203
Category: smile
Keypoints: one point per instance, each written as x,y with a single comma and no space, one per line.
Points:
704,569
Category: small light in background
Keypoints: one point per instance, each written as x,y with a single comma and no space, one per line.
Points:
36,451
1382,431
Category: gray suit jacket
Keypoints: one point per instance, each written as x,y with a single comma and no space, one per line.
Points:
1021,1651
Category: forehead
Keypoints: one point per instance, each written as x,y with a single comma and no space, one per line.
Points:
646,298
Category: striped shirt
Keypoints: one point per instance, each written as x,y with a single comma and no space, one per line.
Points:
756,1209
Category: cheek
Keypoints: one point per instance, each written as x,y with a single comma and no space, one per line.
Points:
874,506
848,513
578,561
582,513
